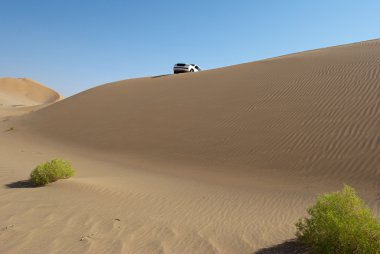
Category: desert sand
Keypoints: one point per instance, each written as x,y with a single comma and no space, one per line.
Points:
21,92
221,161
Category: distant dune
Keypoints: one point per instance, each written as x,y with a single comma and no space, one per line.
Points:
221,161
16,92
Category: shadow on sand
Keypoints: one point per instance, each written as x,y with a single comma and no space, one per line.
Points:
20,184
288,247
159,76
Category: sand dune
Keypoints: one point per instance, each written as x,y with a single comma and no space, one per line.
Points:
17,92
314,113
221,161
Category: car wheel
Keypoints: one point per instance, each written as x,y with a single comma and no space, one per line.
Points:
192,70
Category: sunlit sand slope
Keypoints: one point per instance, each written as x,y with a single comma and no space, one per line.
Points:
315,113
18,92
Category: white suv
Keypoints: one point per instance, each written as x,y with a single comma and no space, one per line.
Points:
181,67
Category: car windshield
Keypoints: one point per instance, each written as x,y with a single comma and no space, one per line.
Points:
181,64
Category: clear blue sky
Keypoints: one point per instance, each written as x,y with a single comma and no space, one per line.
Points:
72,45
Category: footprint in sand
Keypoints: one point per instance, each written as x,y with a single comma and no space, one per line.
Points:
6,228
92,236
87,237
116,223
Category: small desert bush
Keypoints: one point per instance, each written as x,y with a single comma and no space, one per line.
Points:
51,171
340,222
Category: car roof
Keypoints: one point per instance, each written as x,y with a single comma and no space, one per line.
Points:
186,64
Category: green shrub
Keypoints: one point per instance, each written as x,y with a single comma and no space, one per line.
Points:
51,171
340,222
